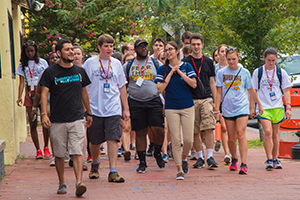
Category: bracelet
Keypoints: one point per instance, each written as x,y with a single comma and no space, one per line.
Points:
88,114
34,108
288,104
288,109
43,113
216,112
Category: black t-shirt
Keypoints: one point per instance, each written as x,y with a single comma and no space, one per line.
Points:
65,85
207,71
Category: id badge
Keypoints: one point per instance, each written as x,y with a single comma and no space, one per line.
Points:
272,96
106,88
31,86
139,82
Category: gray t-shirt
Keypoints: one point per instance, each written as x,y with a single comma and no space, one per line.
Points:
148,89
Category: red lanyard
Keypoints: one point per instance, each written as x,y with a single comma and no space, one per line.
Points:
198,72
31,73
109,63
270,83
140,66
219,66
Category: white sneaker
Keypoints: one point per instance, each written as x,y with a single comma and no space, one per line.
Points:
193,155
52,162
67,157
227,159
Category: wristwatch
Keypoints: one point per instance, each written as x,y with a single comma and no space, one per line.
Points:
88,114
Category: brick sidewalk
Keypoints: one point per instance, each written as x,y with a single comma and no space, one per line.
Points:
30,179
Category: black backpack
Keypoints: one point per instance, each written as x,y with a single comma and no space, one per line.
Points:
260,72
129,64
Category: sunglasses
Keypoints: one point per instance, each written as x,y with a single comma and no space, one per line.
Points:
29,43
231,49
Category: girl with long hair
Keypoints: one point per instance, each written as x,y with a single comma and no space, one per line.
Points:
232,83
177,79
29,71
269,90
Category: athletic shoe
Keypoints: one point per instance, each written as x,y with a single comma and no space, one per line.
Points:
211,163
150,150
119,152
136,156
199,164
52,162
142,168
85,168
115,177
89,159
71,162
39,154
94,173
169,150
132,146
243,169
180,175
80,189
127,155
47,154
165,158
159,160
227,159
193,155
67,157
276,164
269,164
233,166
217,146
185,167
62,189
102,151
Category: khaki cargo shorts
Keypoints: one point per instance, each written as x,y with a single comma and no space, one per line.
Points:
204,115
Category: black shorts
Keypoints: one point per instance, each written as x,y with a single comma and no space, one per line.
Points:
105,128
144,114
235,117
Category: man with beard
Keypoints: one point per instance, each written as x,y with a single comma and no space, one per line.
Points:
66,83
146,109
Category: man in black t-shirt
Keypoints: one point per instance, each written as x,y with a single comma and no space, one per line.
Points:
66,83
204,115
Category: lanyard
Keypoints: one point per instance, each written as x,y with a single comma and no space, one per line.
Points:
270,83
140,66
198,72
109,64
31,73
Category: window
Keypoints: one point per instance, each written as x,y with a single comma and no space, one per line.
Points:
12,45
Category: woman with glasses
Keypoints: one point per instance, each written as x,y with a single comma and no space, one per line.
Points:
29,71
176,79
269,90
232,84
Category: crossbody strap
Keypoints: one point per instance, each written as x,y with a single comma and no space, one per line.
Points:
231,84
28,90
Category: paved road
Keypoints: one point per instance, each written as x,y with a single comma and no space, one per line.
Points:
30,179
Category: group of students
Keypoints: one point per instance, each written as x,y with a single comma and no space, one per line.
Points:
136,91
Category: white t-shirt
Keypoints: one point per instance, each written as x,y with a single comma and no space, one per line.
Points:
38,70
104,104
264,90
236,100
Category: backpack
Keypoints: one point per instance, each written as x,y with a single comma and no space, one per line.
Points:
129,64
278,73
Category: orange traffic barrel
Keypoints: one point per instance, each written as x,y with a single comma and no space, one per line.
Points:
288,128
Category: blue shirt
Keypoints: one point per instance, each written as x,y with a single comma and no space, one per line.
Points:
178,92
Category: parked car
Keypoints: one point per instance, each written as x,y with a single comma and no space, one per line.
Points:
291,64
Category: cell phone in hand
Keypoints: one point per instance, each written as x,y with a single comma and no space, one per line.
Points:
34,118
